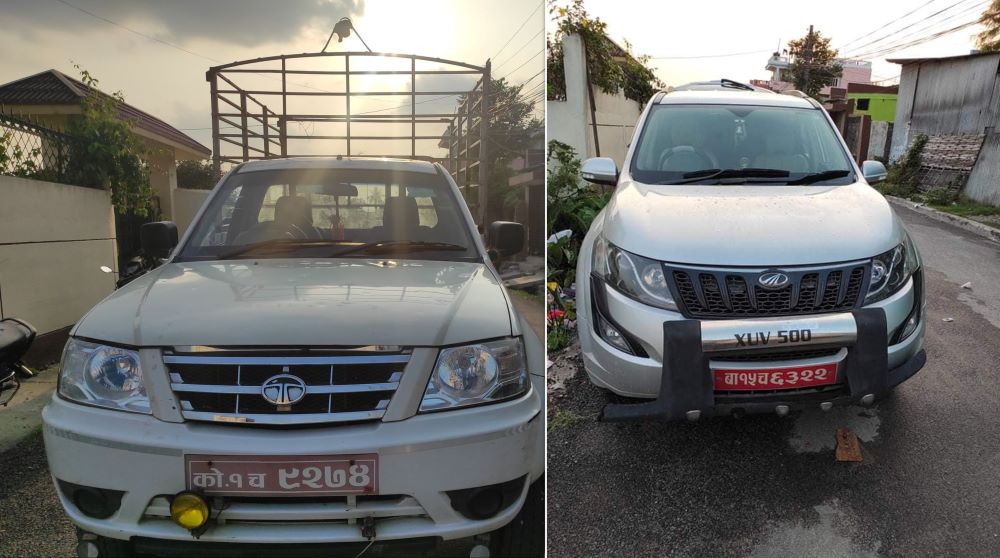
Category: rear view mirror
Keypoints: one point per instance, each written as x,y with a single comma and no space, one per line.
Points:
506,237
874,171
158,239
600,170
339,189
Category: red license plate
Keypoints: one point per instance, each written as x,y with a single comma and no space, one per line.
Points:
783,377
236,475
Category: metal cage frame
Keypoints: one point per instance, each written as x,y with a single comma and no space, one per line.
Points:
465,138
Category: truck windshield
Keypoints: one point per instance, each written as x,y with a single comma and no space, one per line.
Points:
322,213
708,144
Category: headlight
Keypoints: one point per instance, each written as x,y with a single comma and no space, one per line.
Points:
478,373
891,270
102,376
635,276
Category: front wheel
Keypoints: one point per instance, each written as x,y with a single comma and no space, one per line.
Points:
524,536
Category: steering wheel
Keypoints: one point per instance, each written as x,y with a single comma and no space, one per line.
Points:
685,158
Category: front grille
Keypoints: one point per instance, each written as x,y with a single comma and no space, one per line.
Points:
770,356
703,292
228,388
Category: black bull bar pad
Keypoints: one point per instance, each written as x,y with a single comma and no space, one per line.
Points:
686,387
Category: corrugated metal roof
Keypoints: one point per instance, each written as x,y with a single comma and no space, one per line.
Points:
905,61
53,87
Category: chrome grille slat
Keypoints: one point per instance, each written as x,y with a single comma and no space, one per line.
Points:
710,292
227,388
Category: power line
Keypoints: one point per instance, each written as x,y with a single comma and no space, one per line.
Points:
523,23
710,55
921,40
896,32
883,26
532,57
926,28
518,51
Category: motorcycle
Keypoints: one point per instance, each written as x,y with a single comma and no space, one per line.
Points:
16,337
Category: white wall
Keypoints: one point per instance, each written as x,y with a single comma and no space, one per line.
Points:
53,240
570,121
186,205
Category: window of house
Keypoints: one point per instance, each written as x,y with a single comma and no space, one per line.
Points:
863,104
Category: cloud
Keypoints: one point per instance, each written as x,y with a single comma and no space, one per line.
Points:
241,22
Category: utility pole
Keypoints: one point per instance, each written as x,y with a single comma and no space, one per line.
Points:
807,54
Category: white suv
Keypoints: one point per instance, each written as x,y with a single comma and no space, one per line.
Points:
328,356
744,264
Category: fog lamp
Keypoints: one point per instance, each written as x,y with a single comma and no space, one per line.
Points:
189,510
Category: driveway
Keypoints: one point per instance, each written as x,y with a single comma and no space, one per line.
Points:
762,486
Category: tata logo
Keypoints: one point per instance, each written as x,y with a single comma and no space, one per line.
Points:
283,390
772,279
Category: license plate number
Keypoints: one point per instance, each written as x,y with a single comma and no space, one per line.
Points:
785,377
235,475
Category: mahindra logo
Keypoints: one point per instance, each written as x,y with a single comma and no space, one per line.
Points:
772,279
283,389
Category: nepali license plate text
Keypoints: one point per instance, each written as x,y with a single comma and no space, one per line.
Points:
236,475
784,377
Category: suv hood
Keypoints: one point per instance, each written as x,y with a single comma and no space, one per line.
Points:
751,225
346,302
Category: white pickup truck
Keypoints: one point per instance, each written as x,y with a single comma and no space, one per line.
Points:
744,264
327,359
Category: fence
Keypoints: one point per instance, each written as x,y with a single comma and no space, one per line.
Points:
31,150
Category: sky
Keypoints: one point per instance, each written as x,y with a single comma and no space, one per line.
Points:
157,52
755,29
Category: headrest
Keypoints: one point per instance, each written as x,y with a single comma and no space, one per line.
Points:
293,209
400,212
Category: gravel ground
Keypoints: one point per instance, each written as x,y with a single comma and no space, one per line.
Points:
767,486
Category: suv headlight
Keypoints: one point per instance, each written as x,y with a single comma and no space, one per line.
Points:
102,376
633,275
891,270
475,374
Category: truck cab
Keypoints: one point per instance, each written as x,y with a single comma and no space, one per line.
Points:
327,357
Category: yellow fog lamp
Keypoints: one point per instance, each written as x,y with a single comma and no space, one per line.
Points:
189,510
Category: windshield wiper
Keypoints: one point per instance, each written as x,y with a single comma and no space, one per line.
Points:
281,243
819,177
383,246
707,174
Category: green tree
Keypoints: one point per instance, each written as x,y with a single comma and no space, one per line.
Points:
512,124
814,64
104,152
988,39
196,175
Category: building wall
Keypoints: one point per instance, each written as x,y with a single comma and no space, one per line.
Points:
881,106
186,205
570,121
53,240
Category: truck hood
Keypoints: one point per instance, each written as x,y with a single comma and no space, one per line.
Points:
345,302
751,225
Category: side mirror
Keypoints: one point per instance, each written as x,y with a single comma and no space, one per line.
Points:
505,237
874,171
600,170
158,239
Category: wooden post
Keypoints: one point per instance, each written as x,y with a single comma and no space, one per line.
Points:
216,162
484,130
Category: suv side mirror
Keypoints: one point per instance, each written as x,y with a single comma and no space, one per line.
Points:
874,171
506,237
600,170
158,239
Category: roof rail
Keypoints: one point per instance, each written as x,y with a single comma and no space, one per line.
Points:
795,93
723,84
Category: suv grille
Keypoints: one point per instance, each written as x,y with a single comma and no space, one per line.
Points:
735,293
221,387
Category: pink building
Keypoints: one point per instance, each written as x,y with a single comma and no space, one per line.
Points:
855,71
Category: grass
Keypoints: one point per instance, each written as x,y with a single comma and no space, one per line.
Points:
562,419
968,208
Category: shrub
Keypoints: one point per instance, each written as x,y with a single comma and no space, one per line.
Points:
941,196
904,174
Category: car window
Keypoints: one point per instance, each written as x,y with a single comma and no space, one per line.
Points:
679,139
349,206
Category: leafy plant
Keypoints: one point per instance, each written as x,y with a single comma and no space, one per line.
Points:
608,67
104,152
904,175
814,64
196,175
941,196
988,40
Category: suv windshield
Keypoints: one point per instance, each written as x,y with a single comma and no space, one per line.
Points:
322,213
753,144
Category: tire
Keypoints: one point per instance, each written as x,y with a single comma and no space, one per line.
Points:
524,536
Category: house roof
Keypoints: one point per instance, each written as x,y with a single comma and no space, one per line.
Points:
905,61
870,88
53,87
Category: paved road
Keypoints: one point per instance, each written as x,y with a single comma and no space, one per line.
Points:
769,486
32,522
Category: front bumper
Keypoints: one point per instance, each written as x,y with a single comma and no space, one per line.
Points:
877,365
420,458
